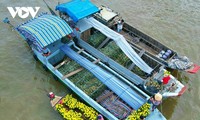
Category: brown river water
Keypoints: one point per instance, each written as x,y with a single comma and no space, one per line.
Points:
24,83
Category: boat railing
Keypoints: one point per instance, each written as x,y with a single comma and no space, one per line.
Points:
141,38
156,44
150,54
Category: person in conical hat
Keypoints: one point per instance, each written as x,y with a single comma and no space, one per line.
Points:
158,97
156,100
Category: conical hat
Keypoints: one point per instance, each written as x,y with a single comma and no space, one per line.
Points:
158,97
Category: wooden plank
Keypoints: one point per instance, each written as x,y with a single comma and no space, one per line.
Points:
65,61
81,50
103,43
96,61
78,70
133,64
61,64
72,73
104,97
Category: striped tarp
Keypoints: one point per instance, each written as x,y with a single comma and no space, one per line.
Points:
45,29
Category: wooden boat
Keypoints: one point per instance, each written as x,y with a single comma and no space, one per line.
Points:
93,81
54,99
90,34
153,48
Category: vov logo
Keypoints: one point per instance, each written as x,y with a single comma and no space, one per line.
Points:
23,12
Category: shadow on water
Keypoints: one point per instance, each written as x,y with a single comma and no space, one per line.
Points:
167,107
180,75
50,83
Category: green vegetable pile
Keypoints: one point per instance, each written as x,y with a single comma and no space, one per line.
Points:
153,86
96,39
83,79
69,67
115,53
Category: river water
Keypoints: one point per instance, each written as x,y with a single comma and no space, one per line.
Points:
24,83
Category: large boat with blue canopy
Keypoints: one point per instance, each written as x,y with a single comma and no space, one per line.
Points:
139,40
143,71
163,54
111,94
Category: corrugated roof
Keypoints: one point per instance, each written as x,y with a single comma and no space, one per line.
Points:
45,29
78,9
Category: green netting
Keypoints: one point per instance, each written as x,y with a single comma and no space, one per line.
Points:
96,39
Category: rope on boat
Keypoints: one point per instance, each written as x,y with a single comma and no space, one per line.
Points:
52,12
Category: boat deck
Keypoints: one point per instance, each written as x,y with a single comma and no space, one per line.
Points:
135,41
88,78
155,115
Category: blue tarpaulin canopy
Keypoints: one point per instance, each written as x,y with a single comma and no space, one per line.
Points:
78,9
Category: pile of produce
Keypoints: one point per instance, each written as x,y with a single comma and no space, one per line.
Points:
139,72
96,39
71,108
115,53
69,67
85,80
153,86
144,110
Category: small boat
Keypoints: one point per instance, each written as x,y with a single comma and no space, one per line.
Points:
54,99
92,34
70,107
52,42
138,40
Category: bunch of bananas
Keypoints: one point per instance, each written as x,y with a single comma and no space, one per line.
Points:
144,110
73,104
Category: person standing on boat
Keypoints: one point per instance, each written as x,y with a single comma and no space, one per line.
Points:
120,25
166,77
156,100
